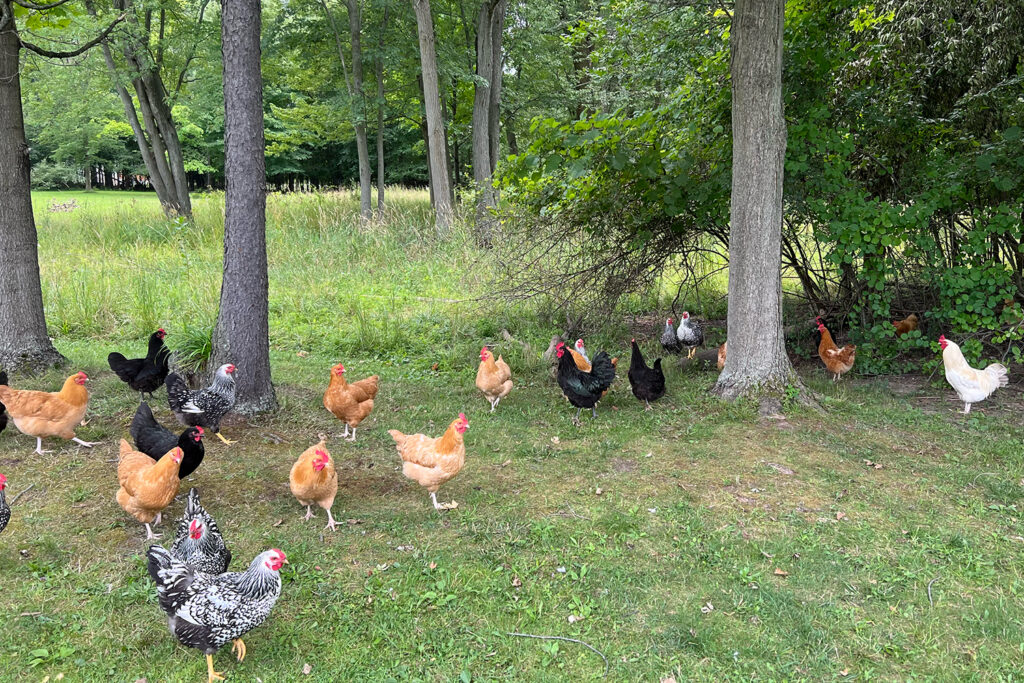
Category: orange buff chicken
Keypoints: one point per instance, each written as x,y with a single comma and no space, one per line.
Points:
432,462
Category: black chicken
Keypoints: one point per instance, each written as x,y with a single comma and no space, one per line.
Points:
584,389
3,408
206,407
199,543
648,384
5,509
206,611
144,375
153,439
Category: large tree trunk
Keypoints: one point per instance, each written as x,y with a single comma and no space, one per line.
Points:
436,148
24,343
757,364
242,335
355,30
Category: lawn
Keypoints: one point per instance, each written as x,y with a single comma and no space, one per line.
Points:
880,539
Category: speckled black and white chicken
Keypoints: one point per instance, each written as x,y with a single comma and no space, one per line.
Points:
206,611
5,509
669,340
206,407
199,543
690,334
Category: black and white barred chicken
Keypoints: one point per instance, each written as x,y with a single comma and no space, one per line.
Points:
5,509
669,340
206,611
206,407
199,543
690,334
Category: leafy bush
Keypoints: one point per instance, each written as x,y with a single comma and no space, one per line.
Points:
49,175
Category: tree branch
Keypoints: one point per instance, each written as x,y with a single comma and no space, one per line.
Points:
42,52
32,5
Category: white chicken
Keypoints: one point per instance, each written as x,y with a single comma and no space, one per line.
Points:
971,385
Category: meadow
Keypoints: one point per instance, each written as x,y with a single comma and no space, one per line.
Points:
878,539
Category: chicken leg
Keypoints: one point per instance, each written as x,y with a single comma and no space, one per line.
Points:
353,437
309,513
150,534
345,433
648,405
433,497
39,446
576,420
227,442
87,444
331,523
212,675
239,645
967,408
593,411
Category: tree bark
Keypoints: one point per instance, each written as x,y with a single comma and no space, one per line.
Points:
359,99
436,154
757,364
380,112
242,335
486,105
497,71
24,343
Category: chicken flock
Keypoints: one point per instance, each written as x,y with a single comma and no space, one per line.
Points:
206,605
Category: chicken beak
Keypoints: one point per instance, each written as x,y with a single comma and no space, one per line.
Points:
286,561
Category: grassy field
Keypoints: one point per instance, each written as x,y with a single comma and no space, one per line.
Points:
878,540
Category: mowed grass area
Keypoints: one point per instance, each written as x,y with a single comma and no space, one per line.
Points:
720,546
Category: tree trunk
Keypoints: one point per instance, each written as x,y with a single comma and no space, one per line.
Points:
757,364
242,335
359,96
380,112
486,99
24,343
497,71
439,183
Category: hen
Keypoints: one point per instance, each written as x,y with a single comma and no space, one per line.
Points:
206,407
40,413
206,611
147,487
838,361
350,403
5,509
690,334
582,361
669,340
432,462
493,377
723,353
971,385
3,408
153,439
907,325
144,375
313,479
584,389
199,543
648,383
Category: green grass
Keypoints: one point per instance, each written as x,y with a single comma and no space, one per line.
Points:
700,501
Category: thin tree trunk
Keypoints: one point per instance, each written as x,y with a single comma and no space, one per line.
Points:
242,335
757,364
486,99
381,102
24,343
439,181
497,71
359,97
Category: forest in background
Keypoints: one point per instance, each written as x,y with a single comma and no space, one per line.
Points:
611,140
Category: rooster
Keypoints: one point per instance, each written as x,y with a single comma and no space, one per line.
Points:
206,611
971,385
40,413
153,439
584,389
199,543
5,509
838,361
690,334
313,479
147,487
648,384
432,462
206,407
493,377
669,340
350,403
144,375
582,360
908,324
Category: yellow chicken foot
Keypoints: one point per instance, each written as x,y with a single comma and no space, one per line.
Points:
345,433
353,437
39,446
227,442
331,524
87,444
150,534
433,497
239,645
212,675
309,513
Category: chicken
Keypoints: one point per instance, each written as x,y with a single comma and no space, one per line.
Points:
5,509
39,413
3,408
584,389
669,340
690,334
971,385
350,403
199,543
153,439
144,375
147,487
206,407
838,361
582,360
313,479
493,377
908,324
581,349
432,462
648,383
723,351
206,611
